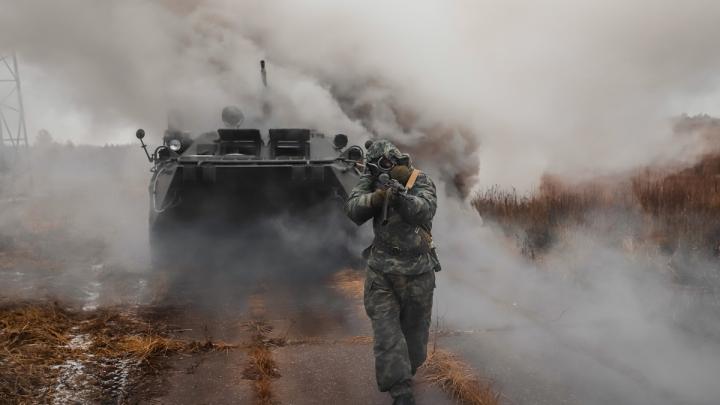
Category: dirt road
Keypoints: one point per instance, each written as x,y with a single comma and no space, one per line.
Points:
287,343
319,340
313,329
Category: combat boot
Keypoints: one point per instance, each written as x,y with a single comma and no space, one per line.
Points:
404,399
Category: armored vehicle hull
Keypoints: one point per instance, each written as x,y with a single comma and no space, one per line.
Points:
226,181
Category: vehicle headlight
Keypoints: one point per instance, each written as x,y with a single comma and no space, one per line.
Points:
175,145
355,153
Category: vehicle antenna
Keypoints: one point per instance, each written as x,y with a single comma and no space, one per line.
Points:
263,73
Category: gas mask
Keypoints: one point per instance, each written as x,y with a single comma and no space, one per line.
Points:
382,165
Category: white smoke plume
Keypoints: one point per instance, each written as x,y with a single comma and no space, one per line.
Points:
557,85
492,91
592,322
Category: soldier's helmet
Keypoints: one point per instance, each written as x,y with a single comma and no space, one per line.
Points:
382,155
382,148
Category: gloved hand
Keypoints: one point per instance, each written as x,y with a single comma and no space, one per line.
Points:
378,198
401,173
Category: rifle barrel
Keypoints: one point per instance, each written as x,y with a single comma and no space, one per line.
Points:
386,204
384,180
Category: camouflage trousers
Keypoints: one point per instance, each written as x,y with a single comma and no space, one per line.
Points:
400,309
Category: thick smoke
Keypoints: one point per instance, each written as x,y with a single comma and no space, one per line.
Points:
597,320
560,86
481,92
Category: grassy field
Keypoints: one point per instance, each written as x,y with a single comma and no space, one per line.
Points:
662,211
674,206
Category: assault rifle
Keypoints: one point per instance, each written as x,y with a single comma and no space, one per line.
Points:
391,187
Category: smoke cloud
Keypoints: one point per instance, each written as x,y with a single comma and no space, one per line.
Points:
529,87
594,321
481,92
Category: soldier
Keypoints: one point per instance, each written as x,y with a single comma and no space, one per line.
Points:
400,279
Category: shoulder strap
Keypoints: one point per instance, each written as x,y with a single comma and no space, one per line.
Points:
411,180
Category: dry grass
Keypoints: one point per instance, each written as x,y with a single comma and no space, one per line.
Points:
349,282
35,339
257,328
261,367
674,208
458,380
120,335
144,347
263,392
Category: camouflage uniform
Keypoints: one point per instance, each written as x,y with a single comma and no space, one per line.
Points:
400,278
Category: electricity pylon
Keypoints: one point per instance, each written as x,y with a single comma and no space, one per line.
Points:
13,131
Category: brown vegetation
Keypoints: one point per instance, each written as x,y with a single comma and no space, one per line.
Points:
458,380
33,339
672,209
349,282
261,367
38,340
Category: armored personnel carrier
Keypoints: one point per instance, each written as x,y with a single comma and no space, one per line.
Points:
236,175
